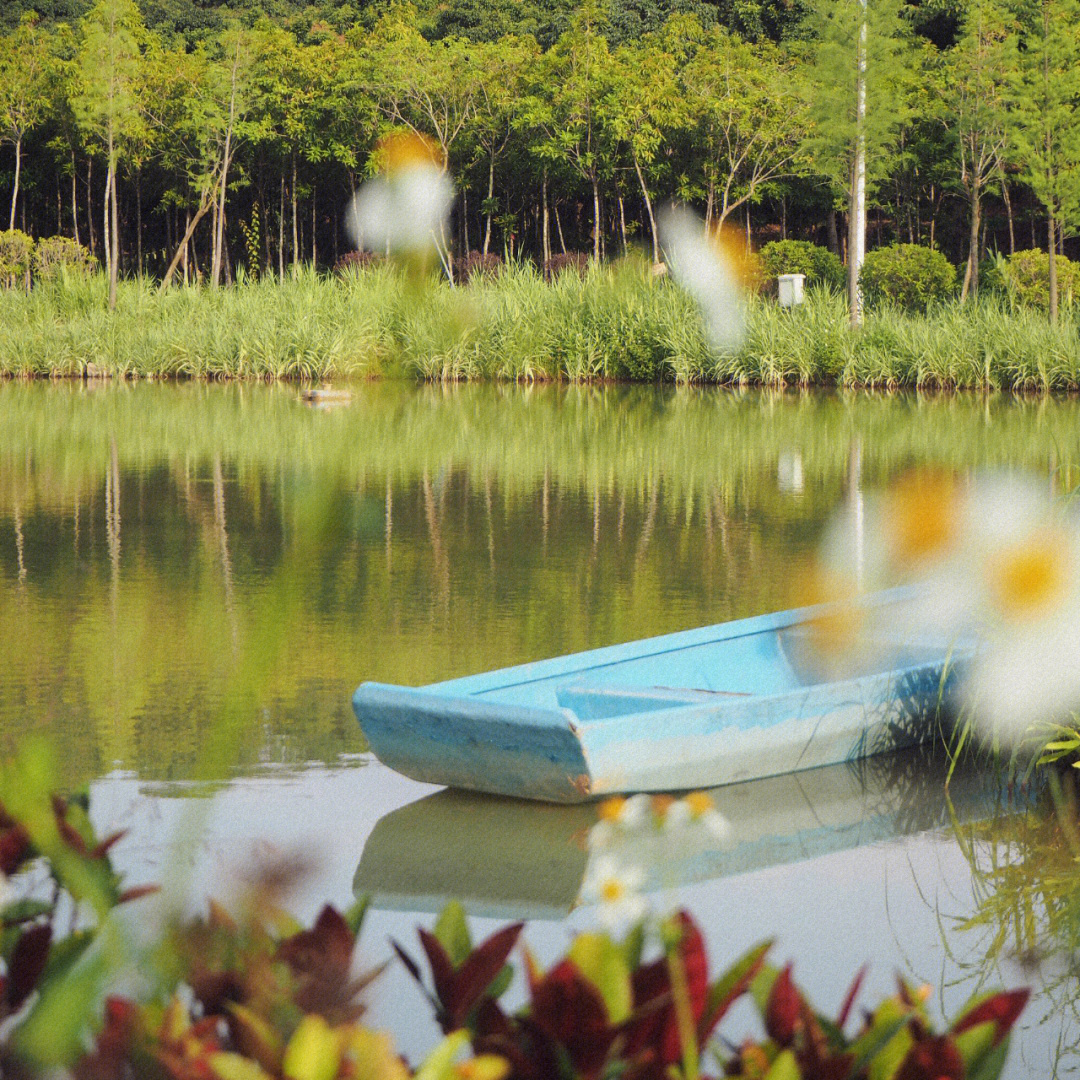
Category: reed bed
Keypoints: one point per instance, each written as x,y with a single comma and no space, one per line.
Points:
615,323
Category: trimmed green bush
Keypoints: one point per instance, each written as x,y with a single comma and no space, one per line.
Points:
908,275
819,264
16,250
56,255
1025,278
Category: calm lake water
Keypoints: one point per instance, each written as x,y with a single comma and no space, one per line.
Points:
193,579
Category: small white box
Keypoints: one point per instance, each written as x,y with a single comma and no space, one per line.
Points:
791,289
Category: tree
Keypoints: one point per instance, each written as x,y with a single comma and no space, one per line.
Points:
856,108
502,67
748,118
107,101
24,100
1043,99
645,107
975,85
567,102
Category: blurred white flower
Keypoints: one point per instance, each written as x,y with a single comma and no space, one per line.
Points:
405,208
997,562
707,267
6,891
616,889
617,816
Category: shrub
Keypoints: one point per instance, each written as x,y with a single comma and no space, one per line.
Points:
16,250
1025,278
56,255
476,263
908,275
819,264
357,260
578,261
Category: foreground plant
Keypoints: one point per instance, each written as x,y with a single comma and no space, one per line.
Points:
253,995
643,1009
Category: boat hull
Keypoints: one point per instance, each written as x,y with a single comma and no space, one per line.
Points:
610,721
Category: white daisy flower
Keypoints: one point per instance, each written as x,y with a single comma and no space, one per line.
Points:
404,210
706,266
616,888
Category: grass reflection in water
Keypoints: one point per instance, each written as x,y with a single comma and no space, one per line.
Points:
171,553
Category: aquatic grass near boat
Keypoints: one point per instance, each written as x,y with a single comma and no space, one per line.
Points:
617,322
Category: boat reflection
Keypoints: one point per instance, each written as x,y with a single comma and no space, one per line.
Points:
514,859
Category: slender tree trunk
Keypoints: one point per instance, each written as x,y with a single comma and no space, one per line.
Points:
652,216
114,270
710,205
15,188
622,223
90,205
107,227
545,240
596,218
209,201
138,222
857,238
295,224
971,271
74,198
281,233
558,227
185,244
464,219
314,219
490,196
1051,229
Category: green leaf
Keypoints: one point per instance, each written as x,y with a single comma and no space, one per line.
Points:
53,1033
785,1067
975,1043
889,1023
23,911
236,1067
65,953
354,917
314,1051
990,1065
439,1064
452,932
501,983
633,945
604,964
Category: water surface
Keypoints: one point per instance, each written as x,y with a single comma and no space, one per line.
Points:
194,578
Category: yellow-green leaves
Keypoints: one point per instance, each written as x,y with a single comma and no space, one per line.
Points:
604,964
314,1051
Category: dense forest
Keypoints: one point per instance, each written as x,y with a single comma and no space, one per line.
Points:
202,137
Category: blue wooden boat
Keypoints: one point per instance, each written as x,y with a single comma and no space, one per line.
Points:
695,709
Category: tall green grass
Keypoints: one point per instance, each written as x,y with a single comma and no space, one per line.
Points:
615,323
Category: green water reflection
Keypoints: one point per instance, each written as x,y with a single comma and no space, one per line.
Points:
174,555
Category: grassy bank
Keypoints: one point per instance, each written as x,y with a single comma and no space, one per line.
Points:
614,324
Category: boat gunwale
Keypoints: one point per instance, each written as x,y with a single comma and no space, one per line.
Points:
610,655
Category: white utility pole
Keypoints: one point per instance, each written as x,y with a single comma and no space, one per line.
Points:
857,231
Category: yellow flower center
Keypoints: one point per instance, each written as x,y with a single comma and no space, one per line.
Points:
612,891
1028,579
661,804
612,809
834,632
922,518
403,150
699,803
